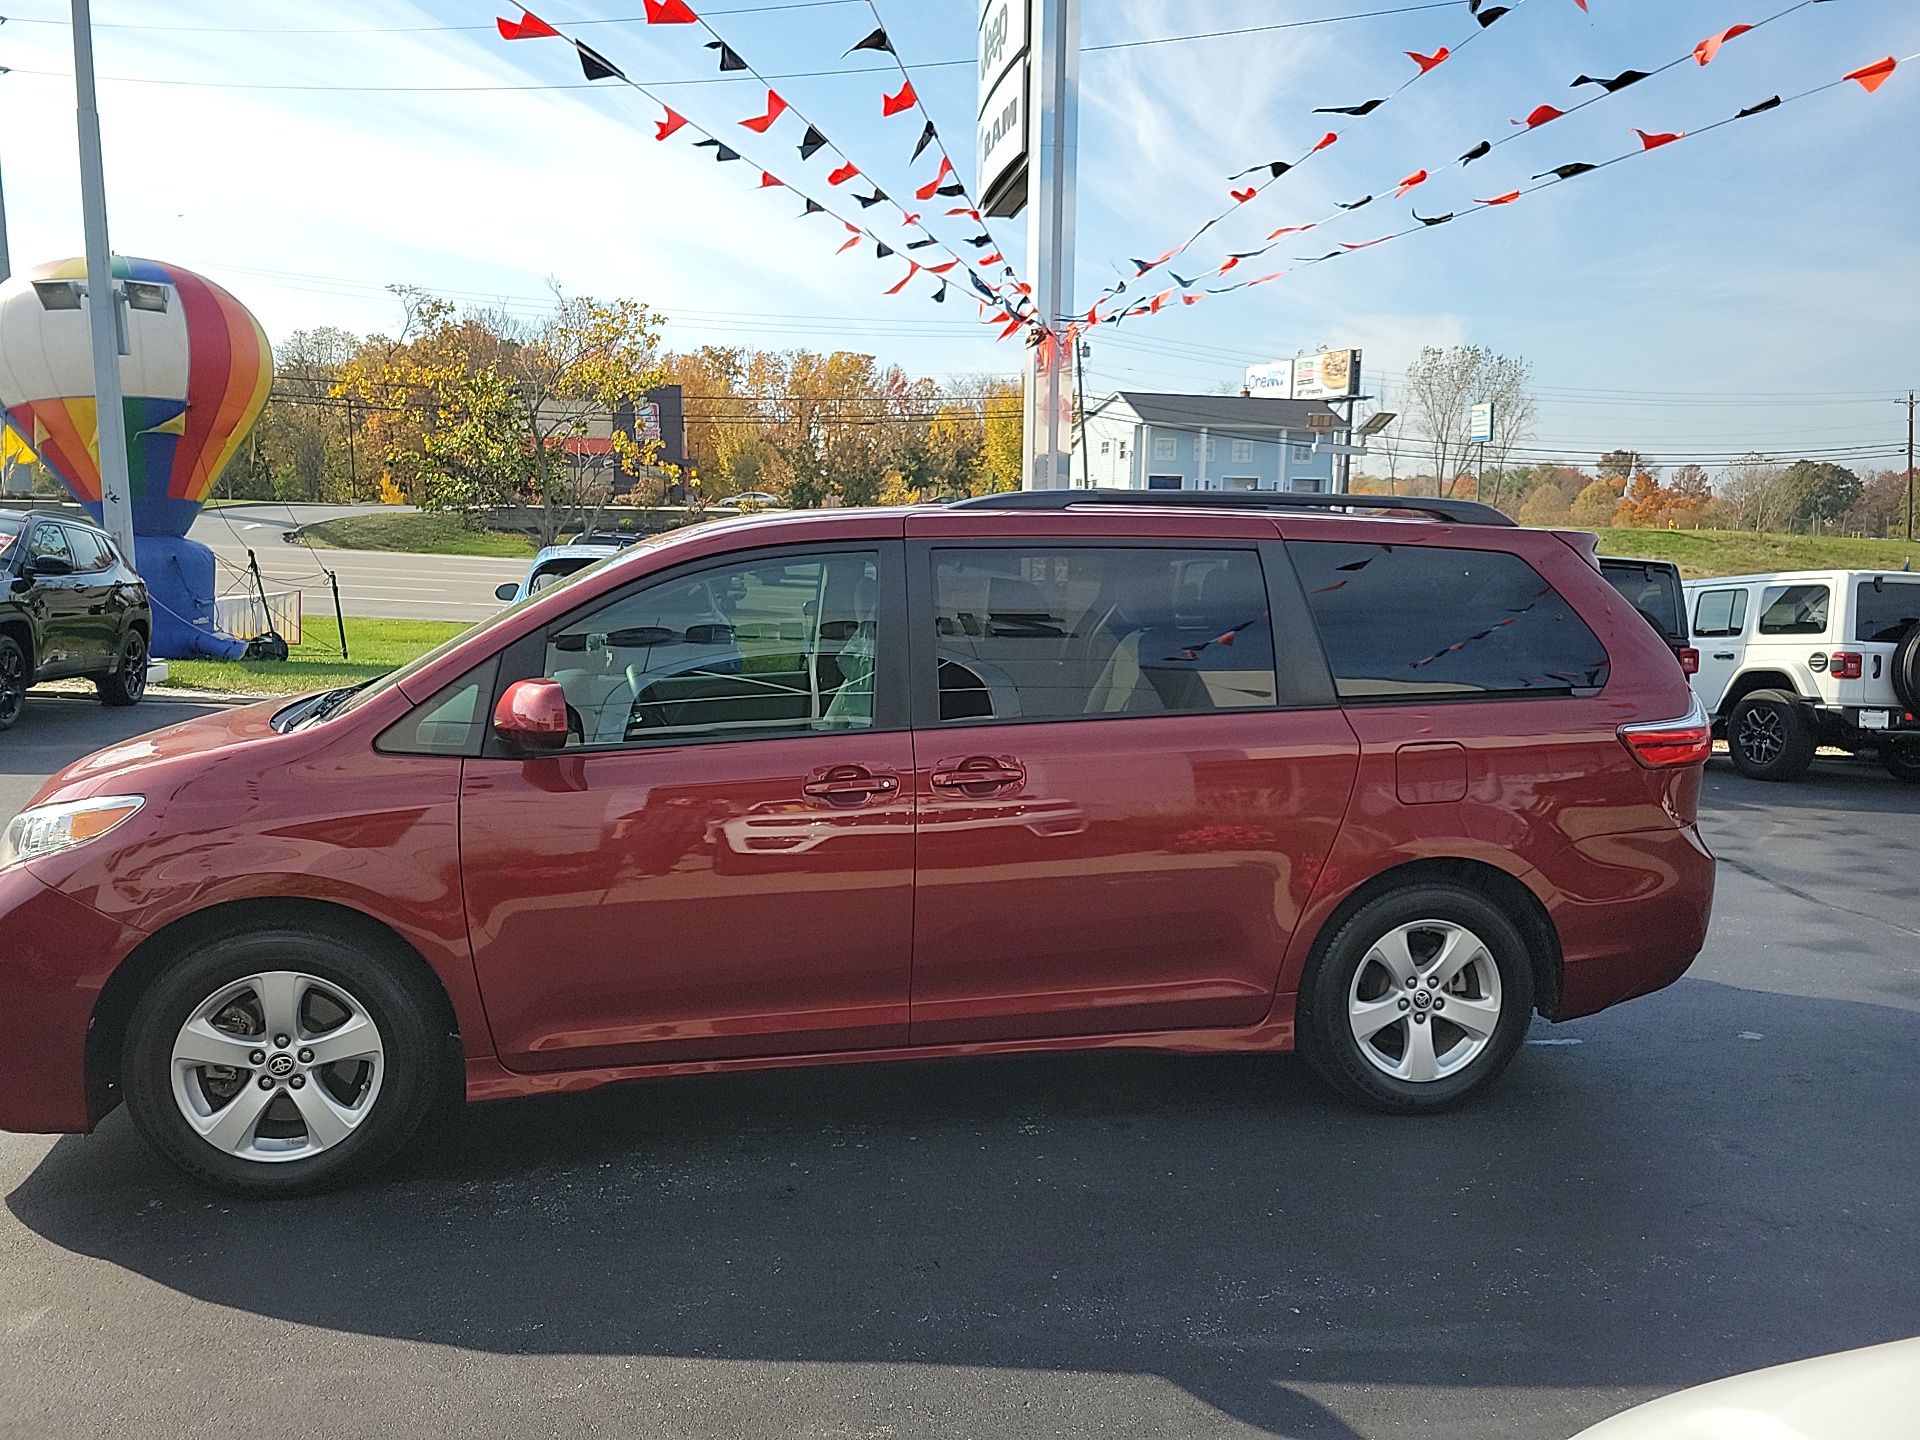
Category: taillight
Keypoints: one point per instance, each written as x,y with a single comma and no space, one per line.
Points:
1690,660
1668,744
1846,665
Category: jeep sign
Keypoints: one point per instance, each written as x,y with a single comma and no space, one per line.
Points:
1002,144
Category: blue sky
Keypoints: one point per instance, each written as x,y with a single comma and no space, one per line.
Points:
1755,289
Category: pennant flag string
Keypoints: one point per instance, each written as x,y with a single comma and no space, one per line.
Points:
675,12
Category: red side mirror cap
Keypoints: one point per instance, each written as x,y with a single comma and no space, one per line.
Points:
532,716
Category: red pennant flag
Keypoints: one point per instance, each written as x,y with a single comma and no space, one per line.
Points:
776,107
1654,142
767,182
994,259
942,269
528,27
1265,278
845,173
664,128
1583,6
1227,264
1710,47
1324,141
1362,245
963,210
1093,315
670,12
1243,196
1290,230
909,218
894,104
1540,116
1012,326
1872,77
1158,301
913,270
1418,177
858,236
1506,199
1189,299
1427,62
926,191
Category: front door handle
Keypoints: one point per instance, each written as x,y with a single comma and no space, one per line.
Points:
979,775
1723,654
849,785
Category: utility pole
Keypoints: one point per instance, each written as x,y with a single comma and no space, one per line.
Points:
105,322
1055,111
1909,404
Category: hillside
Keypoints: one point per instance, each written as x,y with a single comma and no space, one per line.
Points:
1702,553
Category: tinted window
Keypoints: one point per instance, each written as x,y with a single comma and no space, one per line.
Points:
1720,612
88,553
1654,592
1052,633
453,722
1888,609
777,647
1794,609
49,540
1403,620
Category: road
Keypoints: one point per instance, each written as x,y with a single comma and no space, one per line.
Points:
1714,1178
372,582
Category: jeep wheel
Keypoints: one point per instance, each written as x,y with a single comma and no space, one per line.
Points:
1770,737
1902,763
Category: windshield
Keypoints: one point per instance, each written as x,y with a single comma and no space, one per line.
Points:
1888,609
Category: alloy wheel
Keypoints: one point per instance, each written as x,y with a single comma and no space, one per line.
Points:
133,666
278,1066
1425,1002
13,683
1763,734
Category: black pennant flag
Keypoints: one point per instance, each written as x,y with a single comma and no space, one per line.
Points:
1364,109
881,250
1618,82
979,242
1772,104
1487,17
811,142
922,244
874,199
1184,284
720,152
1436,220
1363,200
876,41
926,139
728,60
941,298
952,190
595,65
1478,152
814,207
1566,172
982,286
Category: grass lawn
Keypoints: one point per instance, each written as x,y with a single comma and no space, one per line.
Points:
420,534
1703,553
376,646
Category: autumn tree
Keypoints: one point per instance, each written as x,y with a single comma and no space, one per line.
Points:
1546,505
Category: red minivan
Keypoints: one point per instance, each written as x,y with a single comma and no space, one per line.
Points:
1193,771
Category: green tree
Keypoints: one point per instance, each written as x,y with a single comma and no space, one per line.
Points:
1819,493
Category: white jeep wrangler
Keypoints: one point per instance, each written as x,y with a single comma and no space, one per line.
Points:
1794,661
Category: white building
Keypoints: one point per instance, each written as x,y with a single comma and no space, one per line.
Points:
1137,441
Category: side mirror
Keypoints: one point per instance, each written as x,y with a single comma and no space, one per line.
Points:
507,590
532,717
49,565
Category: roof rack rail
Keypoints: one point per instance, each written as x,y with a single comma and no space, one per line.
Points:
1457,512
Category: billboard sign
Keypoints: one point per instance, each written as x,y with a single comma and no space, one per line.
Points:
1001,145
1330,375
1480,424
1271,382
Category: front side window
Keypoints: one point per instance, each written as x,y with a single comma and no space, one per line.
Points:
451,722
49,542
1720,612
1053,634
1794,609
1401,621
768,648
1888,610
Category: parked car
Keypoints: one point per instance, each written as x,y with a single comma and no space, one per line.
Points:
1793,661
1653,588
1181,771
72,606
555,563
1865,1394
758,499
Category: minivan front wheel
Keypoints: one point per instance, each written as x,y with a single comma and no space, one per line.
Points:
1419,1001
281,1062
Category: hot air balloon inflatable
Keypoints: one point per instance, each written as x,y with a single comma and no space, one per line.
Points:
194,381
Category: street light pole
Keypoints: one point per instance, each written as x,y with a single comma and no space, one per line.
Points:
103,317
1054,165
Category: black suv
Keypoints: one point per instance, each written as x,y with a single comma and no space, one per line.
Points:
69,605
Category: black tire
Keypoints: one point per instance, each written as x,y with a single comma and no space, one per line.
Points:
1341,971
126,683
1905,670
1902,763
348,969
1770,736
14,680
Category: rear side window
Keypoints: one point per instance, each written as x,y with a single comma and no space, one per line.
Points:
1053,634
1720,612
1400,621
1888,609
88,553
1653,591
1794,609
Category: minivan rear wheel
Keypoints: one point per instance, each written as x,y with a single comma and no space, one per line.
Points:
1770,736
1419,1001
282,1062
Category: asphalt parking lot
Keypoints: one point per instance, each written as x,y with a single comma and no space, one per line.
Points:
1711,1179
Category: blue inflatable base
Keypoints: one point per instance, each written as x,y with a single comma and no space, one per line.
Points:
180,585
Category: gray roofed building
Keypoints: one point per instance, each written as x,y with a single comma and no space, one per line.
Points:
1137,440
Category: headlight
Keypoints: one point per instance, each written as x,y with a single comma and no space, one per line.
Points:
45,829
